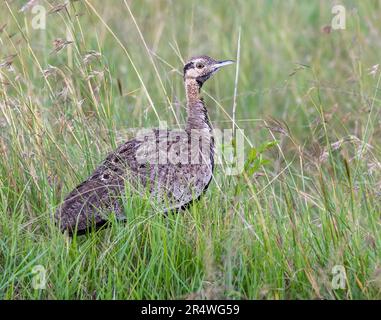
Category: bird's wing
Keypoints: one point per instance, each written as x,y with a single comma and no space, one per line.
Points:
90,203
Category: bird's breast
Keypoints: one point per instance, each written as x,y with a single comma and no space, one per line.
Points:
176,165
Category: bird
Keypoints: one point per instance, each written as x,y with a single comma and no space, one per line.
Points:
175,167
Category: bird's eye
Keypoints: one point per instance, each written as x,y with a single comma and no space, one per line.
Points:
199,65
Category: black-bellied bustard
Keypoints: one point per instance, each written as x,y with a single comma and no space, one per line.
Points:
174,166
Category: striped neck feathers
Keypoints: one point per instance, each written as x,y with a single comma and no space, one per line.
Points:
197,113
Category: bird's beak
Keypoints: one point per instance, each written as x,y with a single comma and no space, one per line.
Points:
223,63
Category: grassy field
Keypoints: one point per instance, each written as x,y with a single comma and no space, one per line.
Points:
307,98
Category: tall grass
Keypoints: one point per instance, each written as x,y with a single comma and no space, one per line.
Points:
274,232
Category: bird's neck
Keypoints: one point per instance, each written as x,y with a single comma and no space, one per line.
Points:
198,126
196,110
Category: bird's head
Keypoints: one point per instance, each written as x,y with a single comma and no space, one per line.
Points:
202,67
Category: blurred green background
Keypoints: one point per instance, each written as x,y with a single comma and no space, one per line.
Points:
68,94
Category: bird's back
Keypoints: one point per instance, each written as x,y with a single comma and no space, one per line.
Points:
169,165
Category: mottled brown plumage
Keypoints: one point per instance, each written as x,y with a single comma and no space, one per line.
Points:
174,166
